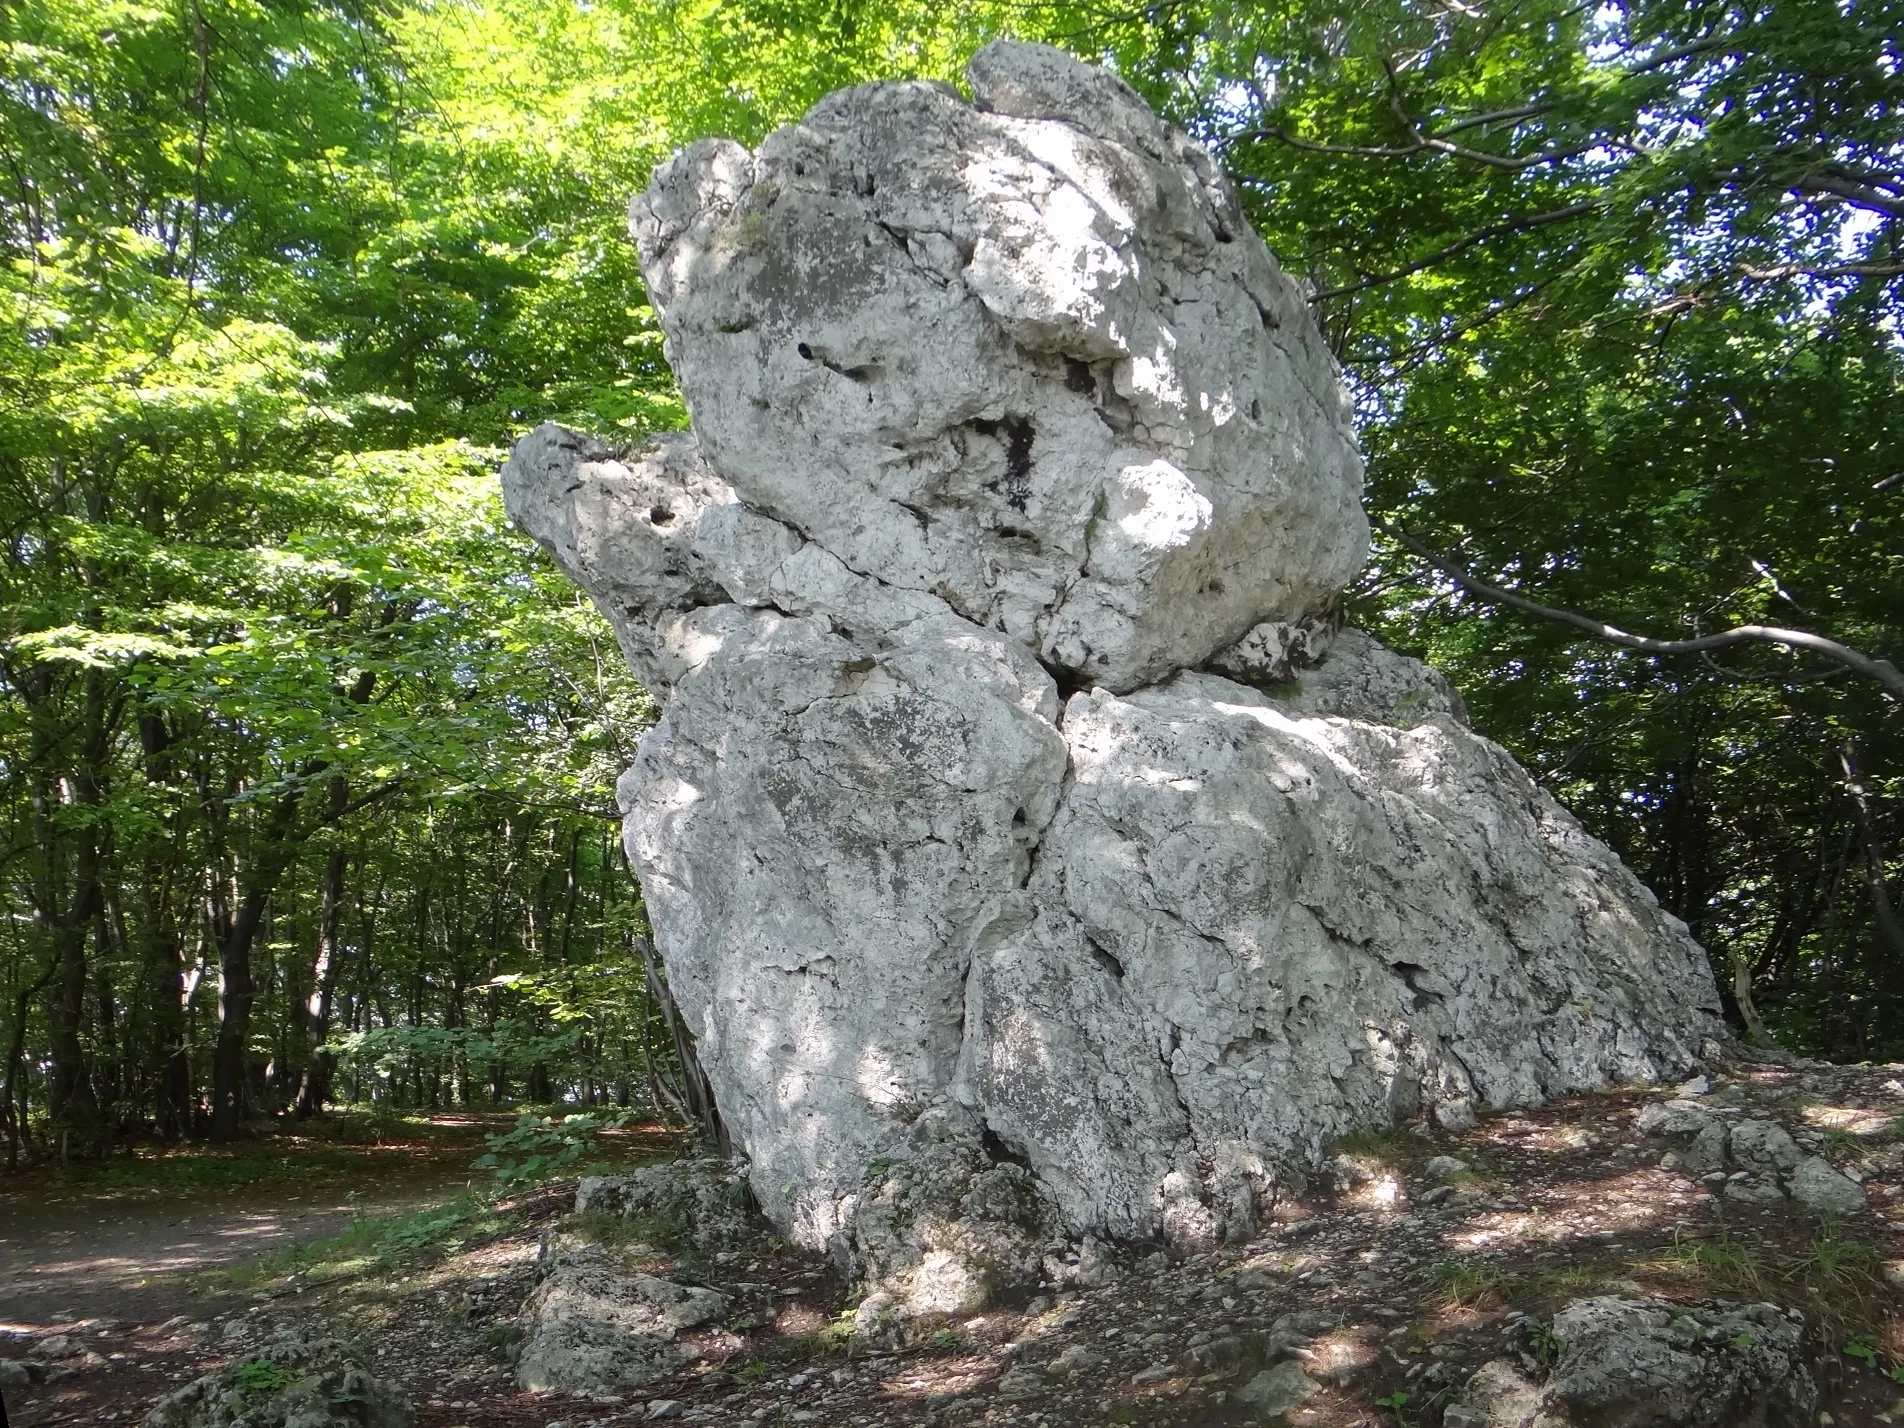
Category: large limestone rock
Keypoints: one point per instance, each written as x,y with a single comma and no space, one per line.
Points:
1022,355
971,875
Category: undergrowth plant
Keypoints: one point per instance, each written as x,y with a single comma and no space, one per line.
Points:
541,1146
374,1243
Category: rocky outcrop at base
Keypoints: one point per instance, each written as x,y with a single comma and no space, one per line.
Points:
1639,1362
292,1381
700,1204
598,1323
1032,854
1753,1161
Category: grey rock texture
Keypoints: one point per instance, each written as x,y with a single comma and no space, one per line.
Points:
945,1231
701,1204
595,1324
1497,1396
1124,444
1271,1394
1763,1152
1628,1361
291,1382
984,395
1819,1188
1647,1363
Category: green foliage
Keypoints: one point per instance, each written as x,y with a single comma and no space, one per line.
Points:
1465,1285
541,1146
1863,1348
381,1243
1725,1263
1832,1266
1543,1343
260,1376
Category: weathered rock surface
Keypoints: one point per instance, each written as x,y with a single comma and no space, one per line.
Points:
1123,444
1646,1363
1818,1187
291,1382
701,1204
982,394
1271,1394
595,1324
1770,1163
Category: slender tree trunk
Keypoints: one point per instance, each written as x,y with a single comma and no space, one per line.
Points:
231,1057
70,1098
316,1087
1882,908
169,1069
1756,1031
320,1065
12,1103
68,908
697,1090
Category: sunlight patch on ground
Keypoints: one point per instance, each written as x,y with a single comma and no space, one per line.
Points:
942,1377
1852,1120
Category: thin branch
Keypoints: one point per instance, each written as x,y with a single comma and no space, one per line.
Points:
1698,47
1842,270
1881,670
1498,116
1858,195
1424,144
1461,245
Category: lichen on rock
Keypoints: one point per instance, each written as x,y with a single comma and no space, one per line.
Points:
598,1323
292,1381
1033,854
1626,1360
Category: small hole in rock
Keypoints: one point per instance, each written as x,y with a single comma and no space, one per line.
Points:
805,351
660,516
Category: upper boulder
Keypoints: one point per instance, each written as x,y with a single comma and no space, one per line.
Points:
1124,443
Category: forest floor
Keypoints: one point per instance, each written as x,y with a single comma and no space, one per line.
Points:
1404,1298
136,1238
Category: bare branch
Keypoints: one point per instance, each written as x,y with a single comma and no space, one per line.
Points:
1842,270
1859,195
1699,47
1461,245
1881,670
1497,116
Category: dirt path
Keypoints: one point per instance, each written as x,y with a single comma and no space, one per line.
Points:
96,1250
134,1254
125,1275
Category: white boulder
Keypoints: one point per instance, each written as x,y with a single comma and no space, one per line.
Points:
1123,443
988,397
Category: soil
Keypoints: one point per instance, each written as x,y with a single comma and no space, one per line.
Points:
1408,1297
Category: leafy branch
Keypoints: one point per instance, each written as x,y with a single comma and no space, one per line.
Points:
1882,670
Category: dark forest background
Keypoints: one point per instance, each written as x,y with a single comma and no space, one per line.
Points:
306,758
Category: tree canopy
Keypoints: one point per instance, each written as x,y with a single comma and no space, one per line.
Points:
306,757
